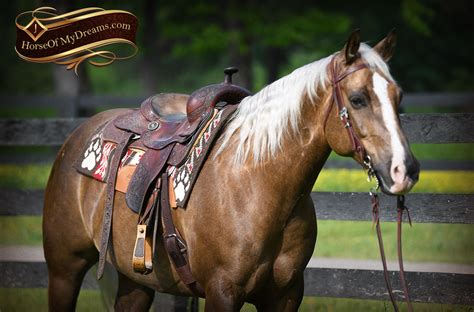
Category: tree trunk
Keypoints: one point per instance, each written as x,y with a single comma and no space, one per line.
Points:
149,63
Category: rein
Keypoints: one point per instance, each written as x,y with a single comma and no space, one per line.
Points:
360,151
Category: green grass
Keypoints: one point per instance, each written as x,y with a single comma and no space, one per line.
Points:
36,299
24,176
28,299
329,180
431,181
451,243
21,230
449,152
452,152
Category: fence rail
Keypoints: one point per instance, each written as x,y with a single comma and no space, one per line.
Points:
322,282
350,283
424,208
420,128
67,106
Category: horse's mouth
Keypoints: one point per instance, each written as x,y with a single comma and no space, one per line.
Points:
393,188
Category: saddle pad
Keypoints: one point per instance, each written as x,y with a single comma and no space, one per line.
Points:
94,161
183,177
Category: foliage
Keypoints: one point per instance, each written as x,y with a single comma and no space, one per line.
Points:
193,39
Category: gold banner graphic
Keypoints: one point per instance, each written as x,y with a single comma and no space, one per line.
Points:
71,38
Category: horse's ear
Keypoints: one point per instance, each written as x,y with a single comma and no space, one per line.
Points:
386,46
351,49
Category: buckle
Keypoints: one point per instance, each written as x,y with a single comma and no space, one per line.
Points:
344,113
181,244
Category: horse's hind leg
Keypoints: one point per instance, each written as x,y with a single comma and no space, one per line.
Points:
66,273
132,296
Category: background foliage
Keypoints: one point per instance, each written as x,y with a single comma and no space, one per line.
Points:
184,45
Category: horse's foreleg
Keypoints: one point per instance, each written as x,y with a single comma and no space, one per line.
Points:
132,296
222,295
289,301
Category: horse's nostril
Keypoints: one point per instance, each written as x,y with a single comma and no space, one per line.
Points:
413,170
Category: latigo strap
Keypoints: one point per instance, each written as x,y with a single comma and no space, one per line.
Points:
174,244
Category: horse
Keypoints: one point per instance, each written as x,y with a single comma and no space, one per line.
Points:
250,224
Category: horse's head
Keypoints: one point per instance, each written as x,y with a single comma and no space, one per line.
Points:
366,98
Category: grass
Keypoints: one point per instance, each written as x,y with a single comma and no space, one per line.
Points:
36,299
329,180
432,181
424,242
21,230
24,176
449,152
449,243
18,299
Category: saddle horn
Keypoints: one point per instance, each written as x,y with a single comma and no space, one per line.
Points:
205,99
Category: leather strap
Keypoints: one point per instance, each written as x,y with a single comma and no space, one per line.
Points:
152,163
376,220
401,207
357,146
174,245
114,165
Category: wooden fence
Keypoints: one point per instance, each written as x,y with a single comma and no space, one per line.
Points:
70,106
430,287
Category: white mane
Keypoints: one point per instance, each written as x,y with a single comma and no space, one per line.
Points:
263,119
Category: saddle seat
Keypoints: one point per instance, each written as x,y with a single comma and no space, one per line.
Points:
169,106
164,119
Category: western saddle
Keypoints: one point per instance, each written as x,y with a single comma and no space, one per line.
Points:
167,127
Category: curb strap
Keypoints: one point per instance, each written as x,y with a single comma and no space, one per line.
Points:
174,245
400,208
109,201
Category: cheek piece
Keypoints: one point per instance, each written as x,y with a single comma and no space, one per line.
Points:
364,159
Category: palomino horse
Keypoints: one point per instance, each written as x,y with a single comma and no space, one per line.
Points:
250,224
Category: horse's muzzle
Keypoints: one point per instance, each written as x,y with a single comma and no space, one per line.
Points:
398,179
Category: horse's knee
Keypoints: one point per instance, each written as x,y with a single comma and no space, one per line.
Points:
223,295
287,299
132,296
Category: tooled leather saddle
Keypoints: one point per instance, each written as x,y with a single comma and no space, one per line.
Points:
174,131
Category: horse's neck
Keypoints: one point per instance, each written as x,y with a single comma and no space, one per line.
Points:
303,155
295,167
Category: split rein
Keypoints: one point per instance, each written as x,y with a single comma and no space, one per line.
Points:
359,149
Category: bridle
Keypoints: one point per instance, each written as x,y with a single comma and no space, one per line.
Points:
360,152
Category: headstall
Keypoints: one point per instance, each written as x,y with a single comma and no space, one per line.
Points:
364,158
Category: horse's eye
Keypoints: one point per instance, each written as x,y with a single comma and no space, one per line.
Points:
357,101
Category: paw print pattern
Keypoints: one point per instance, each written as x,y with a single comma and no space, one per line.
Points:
92,154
